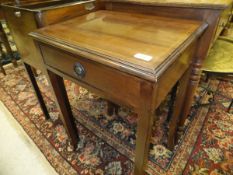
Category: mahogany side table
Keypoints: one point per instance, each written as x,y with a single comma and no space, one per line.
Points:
128,58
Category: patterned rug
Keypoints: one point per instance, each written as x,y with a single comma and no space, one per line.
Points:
107,142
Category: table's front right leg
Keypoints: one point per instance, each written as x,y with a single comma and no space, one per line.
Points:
63,104
146,116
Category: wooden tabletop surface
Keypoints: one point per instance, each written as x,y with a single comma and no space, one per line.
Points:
134,41
183,3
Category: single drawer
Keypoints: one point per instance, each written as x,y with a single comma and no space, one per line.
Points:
106,79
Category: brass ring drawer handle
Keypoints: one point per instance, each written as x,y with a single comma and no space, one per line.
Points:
18,14
79,70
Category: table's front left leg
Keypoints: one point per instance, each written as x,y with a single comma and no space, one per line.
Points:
145,122
144,130
63,104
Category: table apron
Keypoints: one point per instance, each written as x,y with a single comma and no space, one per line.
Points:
111,83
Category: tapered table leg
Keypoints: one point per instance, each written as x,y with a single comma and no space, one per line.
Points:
37,90
112,107
144,129
63,104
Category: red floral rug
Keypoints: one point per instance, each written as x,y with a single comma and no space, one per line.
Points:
107,142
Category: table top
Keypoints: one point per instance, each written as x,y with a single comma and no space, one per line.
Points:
219,4
135,42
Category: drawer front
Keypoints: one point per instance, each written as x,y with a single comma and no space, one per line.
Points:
94,74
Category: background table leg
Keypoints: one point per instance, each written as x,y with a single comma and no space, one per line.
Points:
29,70
112,107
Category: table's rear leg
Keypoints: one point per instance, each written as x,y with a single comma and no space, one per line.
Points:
177,110
37,90
63,104
195,76
172,102
111,108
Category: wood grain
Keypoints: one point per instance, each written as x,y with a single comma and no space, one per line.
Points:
119,37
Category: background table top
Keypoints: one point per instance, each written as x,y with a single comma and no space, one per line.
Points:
184,3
